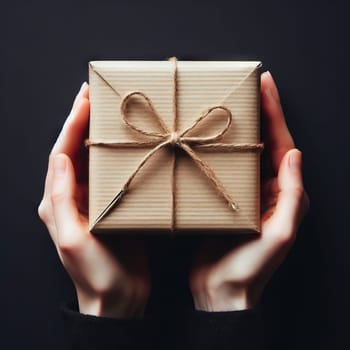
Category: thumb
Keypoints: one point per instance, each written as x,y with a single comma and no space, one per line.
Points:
290,199
62,197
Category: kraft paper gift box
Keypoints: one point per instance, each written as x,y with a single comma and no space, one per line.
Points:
174,146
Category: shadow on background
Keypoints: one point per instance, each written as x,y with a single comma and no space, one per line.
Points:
45,49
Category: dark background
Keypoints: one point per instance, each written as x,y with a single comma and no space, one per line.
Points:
45,49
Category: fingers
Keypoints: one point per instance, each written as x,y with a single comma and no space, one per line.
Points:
291,199
65,211
72,133
279,140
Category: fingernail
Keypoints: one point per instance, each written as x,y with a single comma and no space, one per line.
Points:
82,87
59,165
273,92
294,160
72,113
268,73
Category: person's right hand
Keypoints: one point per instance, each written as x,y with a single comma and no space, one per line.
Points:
111,276
230,273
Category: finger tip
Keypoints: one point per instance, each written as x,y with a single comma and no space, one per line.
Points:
268,82
294,159
85,105
295,152
85,90
81,116
265,77
60,157
81,105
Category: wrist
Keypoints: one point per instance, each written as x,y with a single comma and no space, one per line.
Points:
226,297
111,305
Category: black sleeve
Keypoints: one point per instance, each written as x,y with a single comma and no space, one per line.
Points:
234,330
86,332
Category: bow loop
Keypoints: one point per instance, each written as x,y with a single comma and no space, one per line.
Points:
137,97
210,113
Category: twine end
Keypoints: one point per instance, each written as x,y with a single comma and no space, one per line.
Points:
234,206
109,207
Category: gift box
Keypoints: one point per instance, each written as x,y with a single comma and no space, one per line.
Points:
174,146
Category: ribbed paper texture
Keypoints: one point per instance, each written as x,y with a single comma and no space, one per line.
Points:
147,206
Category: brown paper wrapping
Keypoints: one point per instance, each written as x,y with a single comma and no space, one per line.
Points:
147,206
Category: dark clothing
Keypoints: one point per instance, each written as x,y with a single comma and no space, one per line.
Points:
235,330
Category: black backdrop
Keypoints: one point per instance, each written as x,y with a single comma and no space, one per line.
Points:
45,49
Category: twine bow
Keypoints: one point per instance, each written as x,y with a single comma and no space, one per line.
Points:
167,137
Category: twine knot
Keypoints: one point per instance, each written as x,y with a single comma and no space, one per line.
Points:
174,139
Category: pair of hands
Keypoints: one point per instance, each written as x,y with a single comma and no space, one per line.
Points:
227,274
